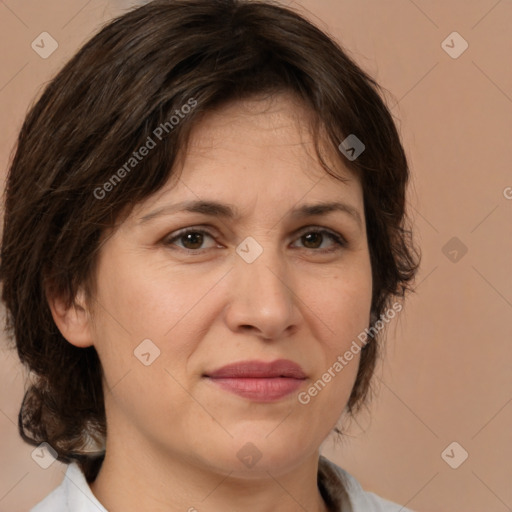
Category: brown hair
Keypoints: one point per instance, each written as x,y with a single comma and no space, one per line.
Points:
129,79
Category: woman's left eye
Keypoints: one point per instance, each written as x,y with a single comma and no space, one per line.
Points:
192,240
314,235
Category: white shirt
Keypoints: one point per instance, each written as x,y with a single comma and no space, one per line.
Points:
341,491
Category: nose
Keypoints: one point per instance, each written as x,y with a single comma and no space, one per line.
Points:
262,299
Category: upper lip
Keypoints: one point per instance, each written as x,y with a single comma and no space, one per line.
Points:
259,369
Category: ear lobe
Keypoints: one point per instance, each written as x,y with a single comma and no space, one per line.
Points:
73,322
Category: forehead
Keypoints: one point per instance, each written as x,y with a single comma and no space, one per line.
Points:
269,128
256,147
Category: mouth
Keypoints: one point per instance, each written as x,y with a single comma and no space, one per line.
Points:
259,381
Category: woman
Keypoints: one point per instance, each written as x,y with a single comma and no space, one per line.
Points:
204,235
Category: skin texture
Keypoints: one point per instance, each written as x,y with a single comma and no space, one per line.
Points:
173,435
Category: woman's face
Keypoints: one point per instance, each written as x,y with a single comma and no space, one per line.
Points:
266,284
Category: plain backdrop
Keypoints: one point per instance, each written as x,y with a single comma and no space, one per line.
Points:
446,375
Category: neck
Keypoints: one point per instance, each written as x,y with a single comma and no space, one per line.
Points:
133,479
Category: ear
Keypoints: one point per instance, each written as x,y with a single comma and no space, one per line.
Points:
74,321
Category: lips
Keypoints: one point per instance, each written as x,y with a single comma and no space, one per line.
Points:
258,380
259,369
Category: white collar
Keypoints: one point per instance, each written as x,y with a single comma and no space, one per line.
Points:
73,494
340,489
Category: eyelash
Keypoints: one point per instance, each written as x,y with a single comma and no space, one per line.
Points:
336,238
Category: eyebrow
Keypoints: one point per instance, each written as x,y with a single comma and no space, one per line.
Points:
226,211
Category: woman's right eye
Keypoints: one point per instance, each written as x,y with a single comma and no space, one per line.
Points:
191,237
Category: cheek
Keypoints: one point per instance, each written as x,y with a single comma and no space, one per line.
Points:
144,300
135,313
138,301
345,308
343,304
353,312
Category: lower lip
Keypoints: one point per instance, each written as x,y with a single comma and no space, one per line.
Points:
260,389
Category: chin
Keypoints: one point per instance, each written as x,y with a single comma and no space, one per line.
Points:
256,452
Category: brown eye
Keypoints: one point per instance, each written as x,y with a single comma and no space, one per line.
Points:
313,240
191,239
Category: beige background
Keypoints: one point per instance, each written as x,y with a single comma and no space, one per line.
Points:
447,373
